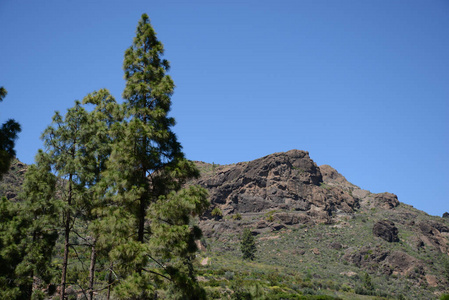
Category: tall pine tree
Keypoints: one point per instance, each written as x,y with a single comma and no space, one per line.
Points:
148,169
115,175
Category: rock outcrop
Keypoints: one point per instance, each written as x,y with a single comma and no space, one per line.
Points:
290,181
433,234
386,230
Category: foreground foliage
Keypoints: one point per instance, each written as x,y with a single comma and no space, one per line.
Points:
103,210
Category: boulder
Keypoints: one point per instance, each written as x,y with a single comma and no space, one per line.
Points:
386,230
386,200
335,246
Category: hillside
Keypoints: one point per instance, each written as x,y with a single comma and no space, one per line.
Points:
317,235
310,222
12,181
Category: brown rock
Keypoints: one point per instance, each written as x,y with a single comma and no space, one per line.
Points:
299,252
431,280
335,245
276,226
431,235
331,176
261,224
288,180
386,230
402,263
386,200
286,218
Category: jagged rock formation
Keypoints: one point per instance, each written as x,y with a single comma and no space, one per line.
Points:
290,181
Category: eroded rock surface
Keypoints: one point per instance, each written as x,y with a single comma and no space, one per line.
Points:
288,180
386,230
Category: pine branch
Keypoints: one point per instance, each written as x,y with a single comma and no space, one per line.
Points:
156,261
159,274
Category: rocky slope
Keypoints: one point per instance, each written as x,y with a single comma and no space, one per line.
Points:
289,182
285,197
12,181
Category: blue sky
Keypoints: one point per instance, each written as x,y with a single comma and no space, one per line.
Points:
362,85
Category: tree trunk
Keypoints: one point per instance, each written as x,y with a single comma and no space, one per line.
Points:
141,220
66,256
66,242
109,282
93,258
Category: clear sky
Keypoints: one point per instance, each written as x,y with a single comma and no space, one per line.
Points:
362,85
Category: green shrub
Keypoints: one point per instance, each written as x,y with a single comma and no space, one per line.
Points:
229,275
269,216
217,213
237,216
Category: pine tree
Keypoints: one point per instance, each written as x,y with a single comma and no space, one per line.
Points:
65,144
78,146
28,232
115,175
248,245
42,208
106,114
11,250
8,134
146,172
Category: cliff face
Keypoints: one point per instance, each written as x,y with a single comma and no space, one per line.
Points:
289,181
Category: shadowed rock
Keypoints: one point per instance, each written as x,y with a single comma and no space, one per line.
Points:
287,180
386,230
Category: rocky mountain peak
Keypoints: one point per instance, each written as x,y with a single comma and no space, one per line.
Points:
286,180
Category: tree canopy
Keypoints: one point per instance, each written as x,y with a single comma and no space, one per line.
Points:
106,206
8,135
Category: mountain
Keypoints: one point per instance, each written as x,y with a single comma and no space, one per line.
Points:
317,235
310,220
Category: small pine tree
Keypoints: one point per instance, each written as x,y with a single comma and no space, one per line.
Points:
217,213
28,234
248,245
367,283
